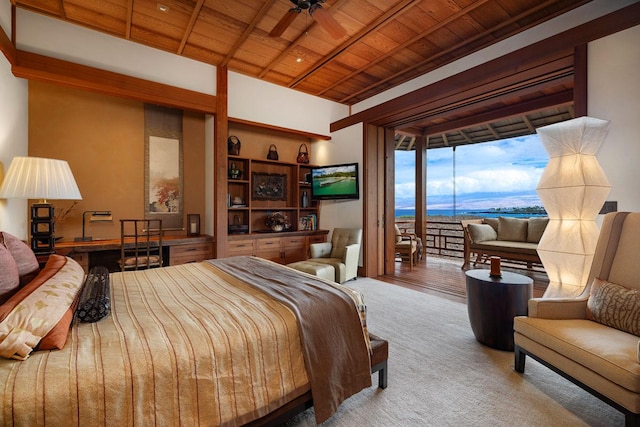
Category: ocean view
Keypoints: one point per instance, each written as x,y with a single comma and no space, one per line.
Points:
486,213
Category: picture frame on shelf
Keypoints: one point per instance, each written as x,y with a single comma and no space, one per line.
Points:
268,186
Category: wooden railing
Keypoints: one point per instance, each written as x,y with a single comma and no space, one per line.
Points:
443,238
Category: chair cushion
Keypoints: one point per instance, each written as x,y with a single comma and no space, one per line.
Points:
535,228
493,222
398,234
481,232
512,229
342,237
606,351
614,305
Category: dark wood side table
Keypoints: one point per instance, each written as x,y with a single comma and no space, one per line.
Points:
493,302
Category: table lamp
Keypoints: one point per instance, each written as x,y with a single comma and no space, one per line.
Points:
42,179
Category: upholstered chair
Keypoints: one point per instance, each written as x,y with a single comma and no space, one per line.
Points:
593,339
342,252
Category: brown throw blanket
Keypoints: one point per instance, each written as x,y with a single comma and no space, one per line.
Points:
336,353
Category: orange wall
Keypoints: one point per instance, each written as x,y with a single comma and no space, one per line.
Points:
102,138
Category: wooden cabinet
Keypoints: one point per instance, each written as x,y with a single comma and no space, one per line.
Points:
183,254
284,248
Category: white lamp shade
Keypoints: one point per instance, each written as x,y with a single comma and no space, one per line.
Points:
572,188
39,178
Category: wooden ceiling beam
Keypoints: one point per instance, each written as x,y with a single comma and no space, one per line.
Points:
453,48
374,26
129,22
600,27
33,66
515,110
192,21
247,31
486,95
415,39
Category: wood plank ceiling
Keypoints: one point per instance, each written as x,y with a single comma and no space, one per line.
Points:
386,42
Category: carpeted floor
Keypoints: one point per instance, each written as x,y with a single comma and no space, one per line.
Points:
439,375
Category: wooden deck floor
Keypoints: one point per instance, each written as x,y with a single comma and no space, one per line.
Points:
443,276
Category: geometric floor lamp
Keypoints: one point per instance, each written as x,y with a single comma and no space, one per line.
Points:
573,187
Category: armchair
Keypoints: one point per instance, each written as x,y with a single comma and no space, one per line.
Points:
407,246
593,339
342,253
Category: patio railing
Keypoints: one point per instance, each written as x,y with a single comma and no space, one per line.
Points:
443,238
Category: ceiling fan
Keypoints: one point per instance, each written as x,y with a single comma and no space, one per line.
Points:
316,11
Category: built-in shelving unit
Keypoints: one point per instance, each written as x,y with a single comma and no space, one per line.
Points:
257,187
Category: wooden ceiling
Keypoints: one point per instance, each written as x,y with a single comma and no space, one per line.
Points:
386,42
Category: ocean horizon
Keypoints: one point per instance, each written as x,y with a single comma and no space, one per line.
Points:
485,213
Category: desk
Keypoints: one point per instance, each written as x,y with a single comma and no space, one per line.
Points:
178,249
493,302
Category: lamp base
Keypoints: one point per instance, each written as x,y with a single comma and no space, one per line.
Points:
83,239
42,239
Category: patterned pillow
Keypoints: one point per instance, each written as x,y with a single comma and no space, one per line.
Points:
614,305
9,279
40,313
26,260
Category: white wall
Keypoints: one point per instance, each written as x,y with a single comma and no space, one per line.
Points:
263,102
13,134
614,94
52,37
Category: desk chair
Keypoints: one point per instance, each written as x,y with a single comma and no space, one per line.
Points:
140,244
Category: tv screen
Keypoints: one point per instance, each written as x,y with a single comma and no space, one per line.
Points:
335,182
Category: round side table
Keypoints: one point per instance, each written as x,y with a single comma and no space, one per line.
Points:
493,302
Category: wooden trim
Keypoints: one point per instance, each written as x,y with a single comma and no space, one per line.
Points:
388,194
6,46
371,215
580,81
609,24
308,135
550,101
39,67
220,164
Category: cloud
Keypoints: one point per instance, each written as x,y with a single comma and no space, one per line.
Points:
499,173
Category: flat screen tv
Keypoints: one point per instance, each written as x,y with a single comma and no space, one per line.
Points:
335,182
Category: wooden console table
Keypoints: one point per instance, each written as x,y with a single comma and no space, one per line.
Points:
178,249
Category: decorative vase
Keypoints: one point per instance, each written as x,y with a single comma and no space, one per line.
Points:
277,227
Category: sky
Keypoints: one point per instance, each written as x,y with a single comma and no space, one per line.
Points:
497,174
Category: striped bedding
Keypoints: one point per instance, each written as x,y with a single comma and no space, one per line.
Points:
183,345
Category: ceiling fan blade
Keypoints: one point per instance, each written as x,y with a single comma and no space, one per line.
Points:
327,22
284,22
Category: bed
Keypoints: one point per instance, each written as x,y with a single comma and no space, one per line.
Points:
221,342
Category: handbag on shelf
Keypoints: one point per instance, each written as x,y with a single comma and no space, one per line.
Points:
234,145
273,152
303,156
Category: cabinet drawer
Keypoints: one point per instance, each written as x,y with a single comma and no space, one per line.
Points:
182,254
241,247
293,242
269,244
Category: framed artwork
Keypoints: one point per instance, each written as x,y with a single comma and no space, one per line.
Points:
268,186
163,166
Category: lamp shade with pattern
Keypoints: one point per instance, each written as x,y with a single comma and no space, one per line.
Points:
573,187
